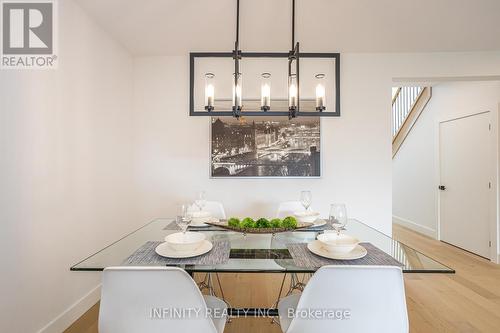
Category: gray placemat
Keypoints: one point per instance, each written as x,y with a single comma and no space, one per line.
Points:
146,255
302,257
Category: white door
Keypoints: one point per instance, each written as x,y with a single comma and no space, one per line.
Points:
465,174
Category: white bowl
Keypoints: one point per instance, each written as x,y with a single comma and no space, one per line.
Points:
200,220
332,242
186,242
198,217
306,216
200,214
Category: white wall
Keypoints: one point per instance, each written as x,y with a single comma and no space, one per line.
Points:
172,161
65,173
172,149
415,166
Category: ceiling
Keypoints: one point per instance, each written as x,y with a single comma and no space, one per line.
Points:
176,27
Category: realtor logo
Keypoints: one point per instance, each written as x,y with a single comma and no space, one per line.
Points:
28,34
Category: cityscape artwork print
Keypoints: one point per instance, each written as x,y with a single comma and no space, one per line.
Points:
265,147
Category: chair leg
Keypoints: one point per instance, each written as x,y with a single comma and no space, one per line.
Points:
206,283
295,284
275,305
222,296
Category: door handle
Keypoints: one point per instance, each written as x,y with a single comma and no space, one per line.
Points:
442,187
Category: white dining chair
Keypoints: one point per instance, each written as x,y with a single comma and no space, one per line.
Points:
374,297
287,208
148,299
215,208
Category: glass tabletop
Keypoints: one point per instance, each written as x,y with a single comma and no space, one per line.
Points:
258,252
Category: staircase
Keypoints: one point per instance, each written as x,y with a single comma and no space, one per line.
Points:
407,105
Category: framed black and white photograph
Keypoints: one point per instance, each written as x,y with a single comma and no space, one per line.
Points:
265,147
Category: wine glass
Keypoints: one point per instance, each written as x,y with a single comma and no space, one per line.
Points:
184,219
338,217
306,199
201,200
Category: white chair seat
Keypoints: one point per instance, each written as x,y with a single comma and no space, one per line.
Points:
156,300
289,302
288,208
221,307
215,208
362,299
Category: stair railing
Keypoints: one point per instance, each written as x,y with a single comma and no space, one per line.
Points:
402,103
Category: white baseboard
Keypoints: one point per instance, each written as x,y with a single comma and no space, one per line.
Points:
415,226
75,311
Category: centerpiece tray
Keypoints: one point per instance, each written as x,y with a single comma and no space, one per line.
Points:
224,225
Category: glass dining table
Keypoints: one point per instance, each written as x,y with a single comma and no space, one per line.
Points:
265,253
256,253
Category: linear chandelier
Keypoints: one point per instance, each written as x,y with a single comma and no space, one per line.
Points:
293,81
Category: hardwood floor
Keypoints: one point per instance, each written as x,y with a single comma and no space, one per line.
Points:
468,301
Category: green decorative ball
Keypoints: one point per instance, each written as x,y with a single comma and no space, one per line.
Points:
263,223
233,222
289,222
275,223
247,222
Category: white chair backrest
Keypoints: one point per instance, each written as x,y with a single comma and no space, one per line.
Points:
373,295
132,297
287,208
214,207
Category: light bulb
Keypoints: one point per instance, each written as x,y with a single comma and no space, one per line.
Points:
237,91
320,93
209,91
292,91
266,95
209,95
265,92
292,95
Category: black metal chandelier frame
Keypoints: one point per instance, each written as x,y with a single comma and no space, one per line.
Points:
293,57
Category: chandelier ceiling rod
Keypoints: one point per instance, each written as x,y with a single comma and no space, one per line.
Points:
293,76
237,98
293,24
237,23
